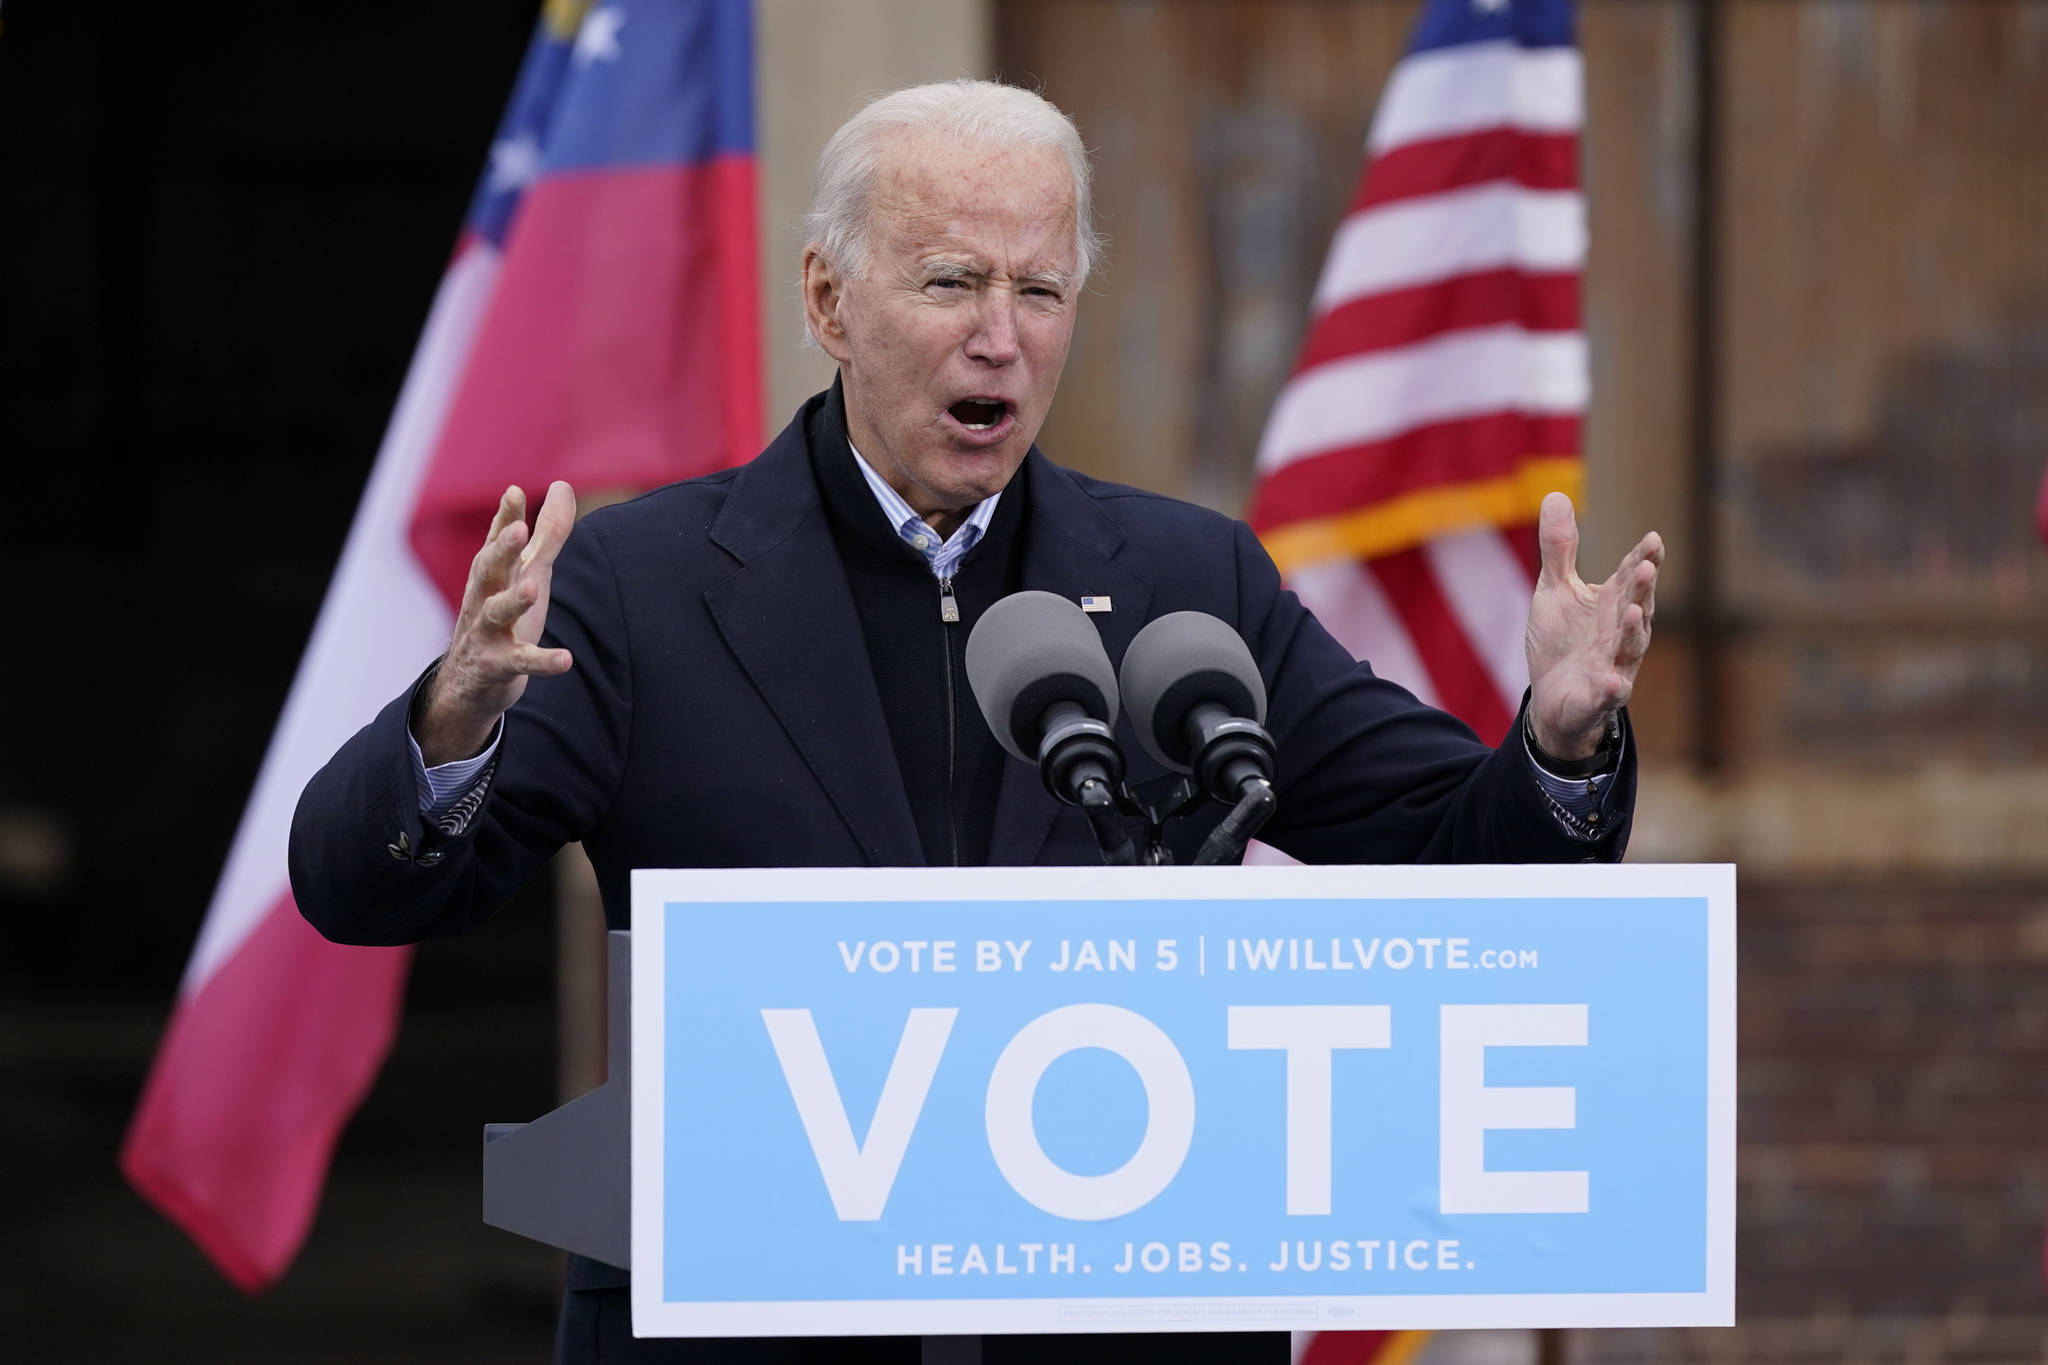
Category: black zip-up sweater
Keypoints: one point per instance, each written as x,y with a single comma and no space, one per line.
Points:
951,766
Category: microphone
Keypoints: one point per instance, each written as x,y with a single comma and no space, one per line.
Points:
1039,673
1198,703
1199,706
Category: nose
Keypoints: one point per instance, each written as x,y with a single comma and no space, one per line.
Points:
994,341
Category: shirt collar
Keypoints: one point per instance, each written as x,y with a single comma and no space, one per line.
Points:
942,553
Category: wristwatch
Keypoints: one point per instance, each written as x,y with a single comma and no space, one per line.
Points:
1602,760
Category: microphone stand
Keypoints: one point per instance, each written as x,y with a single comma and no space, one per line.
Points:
1182,797
1079,762
1231,754
1099,804
1226,843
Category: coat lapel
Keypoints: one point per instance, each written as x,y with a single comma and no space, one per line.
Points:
789,618
1071,548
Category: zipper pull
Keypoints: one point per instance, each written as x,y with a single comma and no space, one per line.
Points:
949,608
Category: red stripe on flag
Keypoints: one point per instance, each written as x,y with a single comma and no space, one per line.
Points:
738,323
1522,540
1464,451
1446,477
1463,685
257,1073
1545,302
610,356
1538,161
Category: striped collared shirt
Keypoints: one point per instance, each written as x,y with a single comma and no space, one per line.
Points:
944,555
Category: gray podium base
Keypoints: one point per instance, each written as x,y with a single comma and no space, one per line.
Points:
566,1178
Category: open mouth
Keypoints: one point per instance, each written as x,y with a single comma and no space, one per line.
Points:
979,414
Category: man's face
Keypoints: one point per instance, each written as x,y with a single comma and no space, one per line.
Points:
951,344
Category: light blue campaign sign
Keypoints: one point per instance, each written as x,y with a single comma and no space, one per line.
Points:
1061,1099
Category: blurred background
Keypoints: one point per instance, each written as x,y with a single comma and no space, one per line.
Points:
1817,304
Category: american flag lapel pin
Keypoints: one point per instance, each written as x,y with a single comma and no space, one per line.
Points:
1095,604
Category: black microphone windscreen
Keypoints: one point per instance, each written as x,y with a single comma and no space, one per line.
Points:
1178,662
1028,651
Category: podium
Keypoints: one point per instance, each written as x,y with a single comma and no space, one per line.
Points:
953,1102
565,1178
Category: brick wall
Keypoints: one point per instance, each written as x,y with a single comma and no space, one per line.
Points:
1893,1128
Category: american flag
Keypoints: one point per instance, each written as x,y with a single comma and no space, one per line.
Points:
1442,387
597,323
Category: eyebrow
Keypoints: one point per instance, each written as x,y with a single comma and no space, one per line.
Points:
957,270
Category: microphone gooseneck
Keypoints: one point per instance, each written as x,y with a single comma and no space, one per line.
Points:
1227,842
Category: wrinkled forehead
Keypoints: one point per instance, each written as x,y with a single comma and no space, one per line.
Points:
937,194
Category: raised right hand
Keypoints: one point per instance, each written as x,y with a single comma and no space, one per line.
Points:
494,650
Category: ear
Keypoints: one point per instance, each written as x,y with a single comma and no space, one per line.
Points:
824,290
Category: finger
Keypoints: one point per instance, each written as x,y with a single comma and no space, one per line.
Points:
502,609
1631,585
492,567
502,664
1557,533
511,508
1635,639
552,526
1641,590
534,661
1649,549
511,512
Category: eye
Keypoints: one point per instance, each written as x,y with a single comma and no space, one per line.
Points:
947,282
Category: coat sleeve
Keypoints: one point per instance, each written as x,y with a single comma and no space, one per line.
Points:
367,867
1369,774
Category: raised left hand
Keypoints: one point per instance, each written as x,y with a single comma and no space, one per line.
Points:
1585,641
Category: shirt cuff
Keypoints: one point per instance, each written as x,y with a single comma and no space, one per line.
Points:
1579,804
443,786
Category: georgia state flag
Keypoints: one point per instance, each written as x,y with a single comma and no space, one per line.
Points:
598,323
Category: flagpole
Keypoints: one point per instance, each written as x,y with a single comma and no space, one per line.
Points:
1702,551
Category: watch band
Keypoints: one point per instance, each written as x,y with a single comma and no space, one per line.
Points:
1601,760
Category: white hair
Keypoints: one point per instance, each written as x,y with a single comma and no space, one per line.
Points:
974,112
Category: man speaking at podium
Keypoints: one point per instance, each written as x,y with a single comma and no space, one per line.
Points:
764,667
